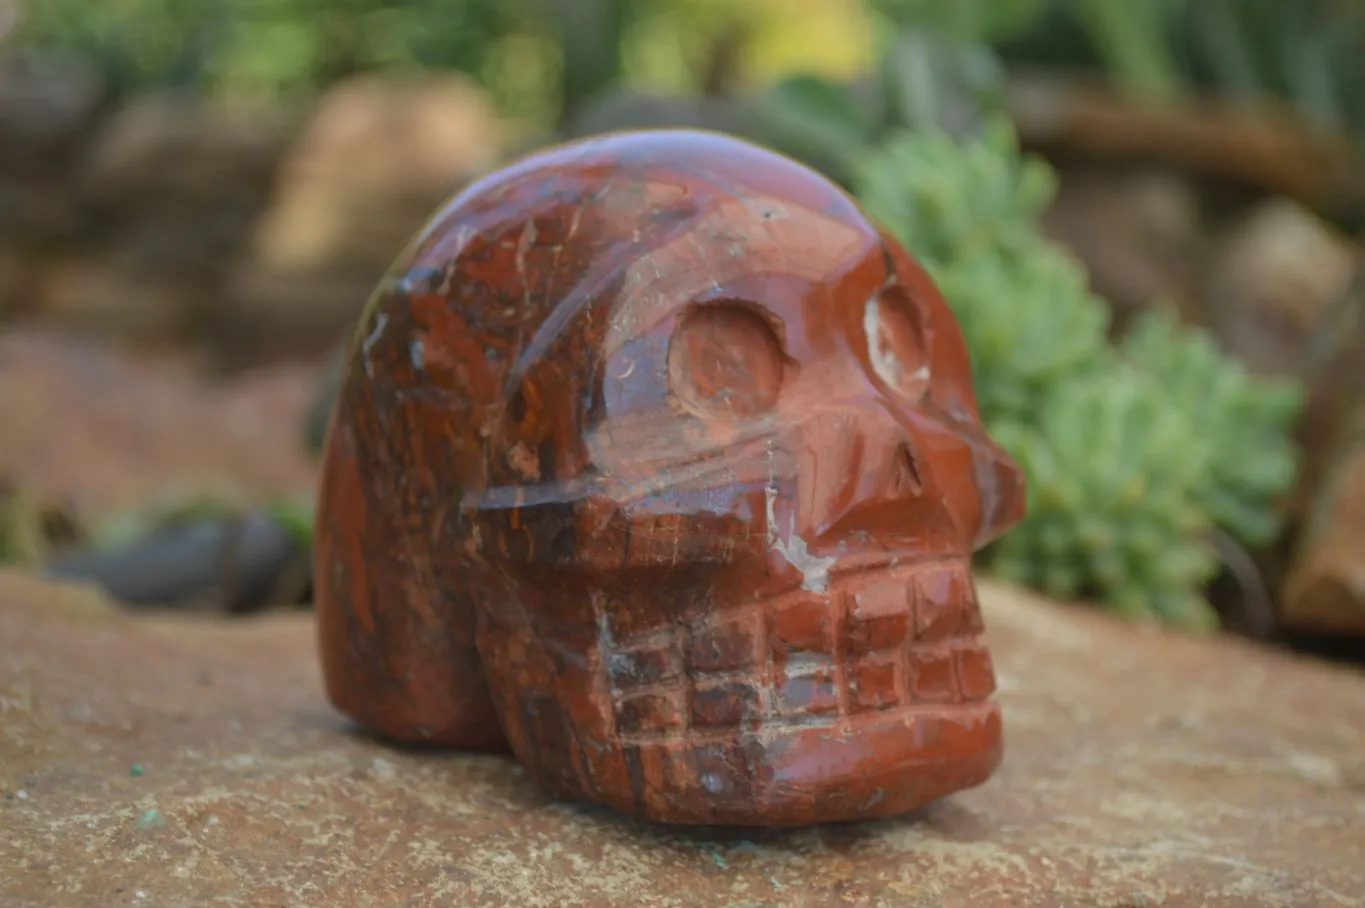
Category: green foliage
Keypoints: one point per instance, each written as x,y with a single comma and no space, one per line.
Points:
1132,453
1131,39
963,20
296,46
951,198
926,81
1110,506
295,515
172,506
22,541
817,121
1251,458
1306,53
919,83
1030,317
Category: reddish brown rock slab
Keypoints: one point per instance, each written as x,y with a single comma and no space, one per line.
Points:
105,430
1140,769
1325,589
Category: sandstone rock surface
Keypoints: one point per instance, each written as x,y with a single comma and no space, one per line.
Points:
178,761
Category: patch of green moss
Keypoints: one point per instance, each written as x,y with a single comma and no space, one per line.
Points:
21,537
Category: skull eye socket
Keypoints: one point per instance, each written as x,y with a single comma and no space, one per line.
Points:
725,360
896,343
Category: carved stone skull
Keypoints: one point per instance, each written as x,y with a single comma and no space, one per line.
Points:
660,463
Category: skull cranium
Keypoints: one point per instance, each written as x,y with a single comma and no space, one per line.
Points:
660,463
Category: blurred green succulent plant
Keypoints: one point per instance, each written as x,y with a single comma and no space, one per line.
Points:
1252,460
1112,504
1132,452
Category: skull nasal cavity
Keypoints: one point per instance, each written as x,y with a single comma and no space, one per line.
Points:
725,360
905,478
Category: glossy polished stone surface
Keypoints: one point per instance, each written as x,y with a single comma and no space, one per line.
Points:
659,464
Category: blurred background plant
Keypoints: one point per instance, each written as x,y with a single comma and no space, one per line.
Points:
1133,452
1145,215
542,59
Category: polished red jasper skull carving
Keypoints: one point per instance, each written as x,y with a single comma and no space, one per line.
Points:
660,463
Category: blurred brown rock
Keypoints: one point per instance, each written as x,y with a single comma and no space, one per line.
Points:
135,430
106,293
375,154
47,107
1334,372
40,211
378,157
1283,295
178,184
184,153
13,281
133,235
222,224
1272,281
1137,232
1269,147
1325,590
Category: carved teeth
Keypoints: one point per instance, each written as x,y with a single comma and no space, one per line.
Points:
876,643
